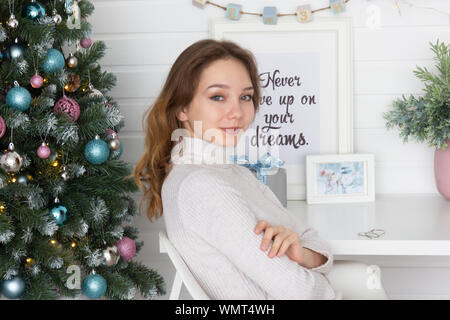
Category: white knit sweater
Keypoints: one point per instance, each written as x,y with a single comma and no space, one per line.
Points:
211,209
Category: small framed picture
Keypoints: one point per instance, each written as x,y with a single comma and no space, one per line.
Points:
334,178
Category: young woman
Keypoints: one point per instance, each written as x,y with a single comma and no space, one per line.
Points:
232,231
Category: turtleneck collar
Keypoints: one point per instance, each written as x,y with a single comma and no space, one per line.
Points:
192,150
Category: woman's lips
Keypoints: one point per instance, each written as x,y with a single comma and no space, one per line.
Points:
232,131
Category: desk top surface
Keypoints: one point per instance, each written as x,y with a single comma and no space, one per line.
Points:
414,224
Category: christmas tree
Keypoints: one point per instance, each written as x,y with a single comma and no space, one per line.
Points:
65,195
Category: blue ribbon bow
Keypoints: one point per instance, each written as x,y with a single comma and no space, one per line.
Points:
262,166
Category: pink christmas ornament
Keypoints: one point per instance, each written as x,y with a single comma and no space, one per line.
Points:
43,151
86,42
36,81
2,127
110,132
67,106
126,247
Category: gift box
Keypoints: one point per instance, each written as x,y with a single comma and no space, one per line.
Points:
278,184
268,170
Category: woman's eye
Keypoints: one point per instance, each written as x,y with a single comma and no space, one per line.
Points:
217,98
247,97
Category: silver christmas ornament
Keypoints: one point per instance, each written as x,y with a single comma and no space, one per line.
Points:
72,61
65,174
114,144
57,19
93,93
12,22
111,255
11,161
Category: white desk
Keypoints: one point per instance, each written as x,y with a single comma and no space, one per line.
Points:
415,225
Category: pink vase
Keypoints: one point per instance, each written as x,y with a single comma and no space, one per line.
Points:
442,170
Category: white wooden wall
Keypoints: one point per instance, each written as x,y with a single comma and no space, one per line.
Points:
145,37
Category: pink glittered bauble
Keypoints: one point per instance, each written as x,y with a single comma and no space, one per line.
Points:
69,107
86,42
36,81
110,133
43,151
126,247
2,127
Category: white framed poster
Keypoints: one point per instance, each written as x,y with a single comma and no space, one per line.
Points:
306,77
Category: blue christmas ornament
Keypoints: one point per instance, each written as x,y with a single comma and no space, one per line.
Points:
54,61
13,288
33,11
96,151
59,213
15,51
94,286
18,98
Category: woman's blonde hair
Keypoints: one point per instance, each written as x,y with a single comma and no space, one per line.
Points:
160,120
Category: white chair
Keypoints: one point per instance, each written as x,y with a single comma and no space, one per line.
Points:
182,274
355,280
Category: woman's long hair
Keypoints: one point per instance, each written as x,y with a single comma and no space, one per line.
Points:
160,120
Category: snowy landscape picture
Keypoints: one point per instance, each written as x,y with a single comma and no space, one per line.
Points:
340,178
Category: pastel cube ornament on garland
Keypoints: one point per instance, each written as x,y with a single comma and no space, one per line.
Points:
199,3
233,11
337,6
304,13
270,15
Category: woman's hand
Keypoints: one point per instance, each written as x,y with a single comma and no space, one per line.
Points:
284,241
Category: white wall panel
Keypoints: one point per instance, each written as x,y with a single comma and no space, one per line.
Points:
145,37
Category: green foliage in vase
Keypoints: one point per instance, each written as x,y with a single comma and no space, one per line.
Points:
426,118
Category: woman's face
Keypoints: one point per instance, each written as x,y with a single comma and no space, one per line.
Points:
222,107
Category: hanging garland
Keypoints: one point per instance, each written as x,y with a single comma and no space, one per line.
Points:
304,12
270,14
